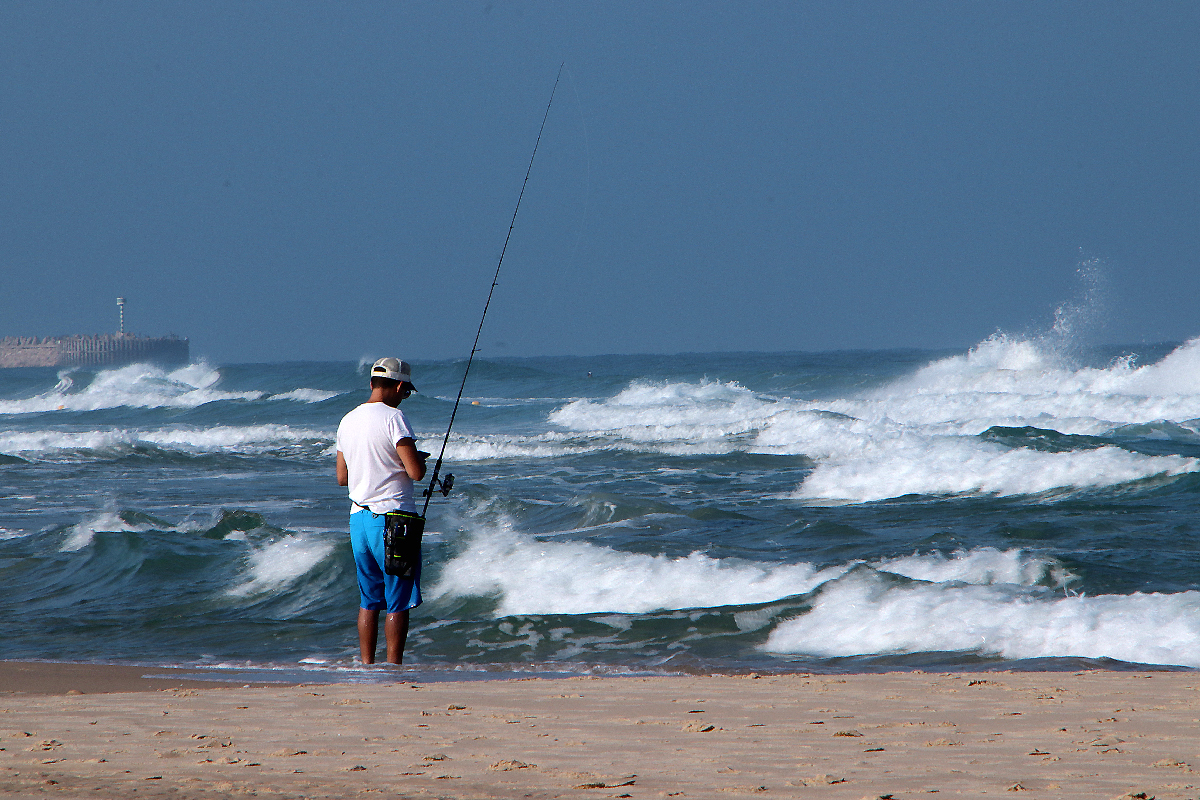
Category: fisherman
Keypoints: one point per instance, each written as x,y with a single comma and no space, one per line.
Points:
378,460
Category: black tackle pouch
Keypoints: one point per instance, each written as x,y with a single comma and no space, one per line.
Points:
402,542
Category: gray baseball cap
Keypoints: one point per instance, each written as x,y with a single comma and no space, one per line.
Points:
394,370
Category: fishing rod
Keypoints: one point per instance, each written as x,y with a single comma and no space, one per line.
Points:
445,484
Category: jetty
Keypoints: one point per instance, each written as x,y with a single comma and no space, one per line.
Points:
100,350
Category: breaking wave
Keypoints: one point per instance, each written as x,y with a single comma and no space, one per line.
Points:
145,386
1009,603
87,445
920,435
864,614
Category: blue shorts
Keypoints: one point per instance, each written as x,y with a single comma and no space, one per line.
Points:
376,590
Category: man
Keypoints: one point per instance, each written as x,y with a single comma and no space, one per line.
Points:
378,460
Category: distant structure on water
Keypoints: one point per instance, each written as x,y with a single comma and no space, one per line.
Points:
103,350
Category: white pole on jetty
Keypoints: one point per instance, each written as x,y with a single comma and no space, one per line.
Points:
121,312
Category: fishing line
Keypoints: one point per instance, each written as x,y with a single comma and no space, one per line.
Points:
445,485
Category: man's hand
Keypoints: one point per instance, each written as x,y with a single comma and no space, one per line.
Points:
411,458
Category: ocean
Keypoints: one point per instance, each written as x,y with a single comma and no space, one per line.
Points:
1022,504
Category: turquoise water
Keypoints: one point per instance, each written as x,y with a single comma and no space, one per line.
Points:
1012,505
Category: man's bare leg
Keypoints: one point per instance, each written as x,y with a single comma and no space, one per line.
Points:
395,630
368,634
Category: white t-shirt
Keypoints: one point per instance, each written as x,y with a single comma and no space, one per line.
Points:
367,438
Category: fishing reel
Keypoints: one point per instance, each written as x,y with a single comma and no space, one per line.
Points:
443,485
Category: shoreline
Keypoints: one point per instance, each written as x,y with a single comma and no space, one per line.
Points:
35,676
1087,734
70,677
62,677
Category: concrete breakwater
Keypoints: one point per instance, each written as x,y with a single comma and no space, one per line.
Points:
107,349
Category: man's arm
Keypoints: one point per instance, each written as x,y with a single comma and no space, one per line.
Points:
414,465
343,474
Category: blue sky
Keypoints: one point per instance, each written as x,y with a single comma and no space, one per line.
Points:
301,180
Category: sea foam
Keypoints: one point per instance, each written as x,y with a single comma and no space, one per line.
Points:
281,563
696,415
864,614
229,439
146,386
945,466
304,395
135,386
919,434
80,535
1011,603
529,575
1005,381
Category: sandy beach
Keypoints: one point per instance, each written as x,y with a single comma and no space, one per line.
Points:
91,731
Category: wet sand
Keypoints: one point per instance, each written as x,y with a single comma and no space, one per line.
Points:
899,735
